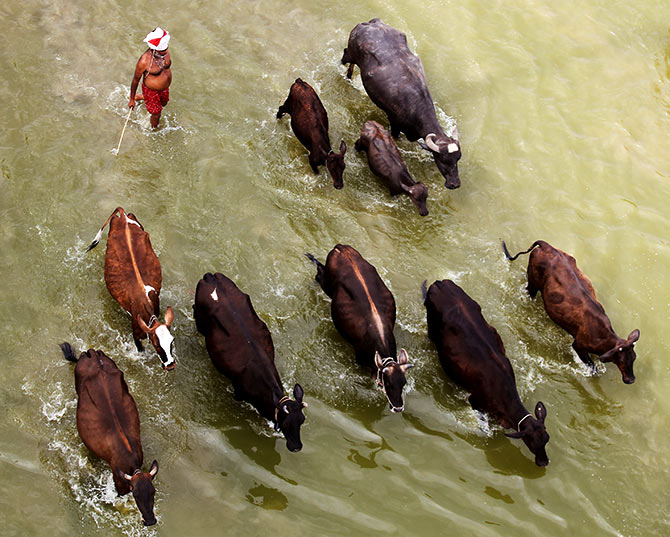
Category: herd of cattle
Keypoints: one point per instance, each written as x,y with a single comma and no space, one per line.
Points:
362,307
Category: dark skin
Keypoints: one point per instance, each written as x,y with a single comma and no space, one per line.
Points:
155,66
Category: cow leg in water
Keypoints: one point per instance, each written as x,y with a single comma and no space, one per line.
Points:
138,344
532,290
474,403
584,356
313,164
395,131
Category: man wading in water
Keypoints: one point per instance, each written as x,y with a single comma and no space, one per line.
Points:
155,65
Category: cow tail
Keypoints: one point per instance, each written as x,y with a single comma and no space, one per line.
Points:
319,267
68,351
424,289
99,235
512,258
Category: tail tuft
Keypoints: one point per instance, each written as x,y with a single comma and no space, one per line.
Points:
68,352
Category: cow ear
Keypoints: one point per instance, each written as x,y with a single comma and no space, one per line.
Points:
607,357
298,393
343,148
518,434
169,316
540,411
144,326
378,360
154,469
402,357
634,336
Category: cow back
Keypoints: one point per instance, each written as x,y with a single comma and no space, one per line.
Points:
309,119
131,265
237,340
568,294
393,77
363,308
107,417
469,348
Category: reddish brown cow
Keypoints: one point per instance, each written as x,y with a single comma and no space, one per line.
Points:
309,122
363,311
385,161
109,425
133,277
570,301
473,355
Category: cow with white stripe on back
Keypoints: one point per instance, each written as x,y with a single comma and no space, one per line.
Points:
363,311
133,277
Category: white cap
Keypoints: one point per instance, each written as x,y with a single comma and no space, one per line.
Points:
158,39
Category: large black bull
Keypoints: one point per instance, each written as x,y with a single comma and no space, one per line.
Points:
394,79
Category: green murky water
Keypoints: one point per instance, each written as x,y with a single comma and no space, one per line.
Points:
563,115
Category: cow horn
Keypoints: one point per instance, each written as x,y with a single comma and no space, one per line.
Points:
144,326
285,409
126,476
430,143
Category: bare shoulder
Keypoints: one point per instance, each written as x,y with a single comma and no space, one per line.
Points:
144,59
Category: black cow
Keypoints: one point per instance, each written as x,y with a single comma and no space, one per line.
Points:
570,301
363,310
385,161
240,346
309,122
473,355
394,79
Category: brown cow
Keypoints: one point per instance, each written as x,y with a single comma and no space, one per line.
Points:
363,311
309,122
133,277
109,425
570,301
385,161
473,355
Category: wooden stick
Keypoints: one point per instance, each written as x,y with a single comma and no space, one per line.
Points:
123,131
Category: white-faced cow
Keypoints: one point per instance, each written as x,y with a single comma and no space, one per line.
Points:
386,162
473,356
109,425
394,79
240,346
133,277
363,311
570,301
309,122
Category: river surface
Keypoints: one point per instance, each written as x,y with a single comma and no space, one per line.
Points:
562,110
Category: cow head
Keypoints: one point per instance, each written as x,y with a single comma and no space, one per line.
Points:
391,378
533,433
289,417
161,338
623,356
142,487
418,193
446,152
335,165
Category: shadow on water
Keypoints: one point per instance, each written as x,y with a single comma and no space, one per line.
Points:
367,461
267,498
421,427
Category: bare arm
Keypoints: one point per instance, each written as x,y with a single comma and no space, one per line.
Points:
140,68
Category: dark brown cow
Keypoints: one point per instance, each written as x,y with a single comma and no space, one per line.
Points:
385,161
570,301
109,425
363,310
133,277
309,122
240,346
394,79
473,355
